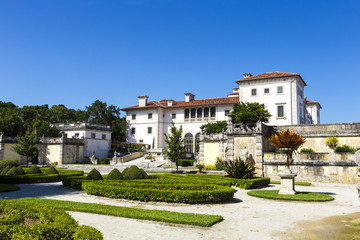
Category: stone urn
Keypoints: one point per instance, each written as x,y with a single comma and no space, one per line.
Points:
287,176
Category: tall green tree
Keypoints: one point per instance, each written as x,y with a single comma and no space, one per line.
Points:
175,148
26,146
43,128
249,112
11,122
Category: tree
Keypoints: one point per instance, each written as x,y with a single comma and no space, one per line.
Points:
43,128
26,146
288,141
249,112
175,148
216,127
11,122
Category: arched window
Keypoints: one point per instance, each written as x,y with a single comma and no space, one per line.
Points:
197,142
189,143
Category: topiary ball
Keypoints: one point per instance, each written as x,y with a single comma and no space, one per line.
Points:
21,171
115,174
5,170
13,171
94,175
134,173
51,170
34,170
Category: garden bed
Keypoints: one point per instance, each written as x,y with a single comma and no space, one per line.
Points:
299,196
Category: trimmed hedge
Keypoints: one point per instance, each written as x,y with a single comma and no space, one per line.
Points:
5,170
13,171
34,170
74,182
152,191
51,170
20,220
104,160
5,163
134,172
186,162
94,175
115,174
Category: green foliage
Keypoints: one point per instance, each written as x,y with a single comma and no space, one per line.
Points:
11,122
307,150
94,175
149,157
216,127
209,167
104,160
203,220
296,183
13,171
346,148
126,147
332,141
8,188
21,170
200,166
74,182
26,145
34,170
134,172
21,220
249,112
175,148
43,128
5,163
115,174
153,191
186,162
239,169
51,170
5,170
299,196
219,164
86,232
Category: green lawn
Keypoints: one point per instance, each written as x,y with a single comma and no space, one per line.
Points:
8,187
296,183
299,196
202,220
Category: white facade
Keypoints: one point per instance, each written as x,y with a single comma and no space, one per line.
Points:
97,137
282,93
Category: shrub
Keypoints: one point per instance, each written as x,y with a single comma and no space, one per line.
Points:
115,174
239,169
94,175
74,182
5,170
51,170
86,232
34,170
153,191
5,163
21,170
209,167
345,148
134,173
149,157
219,164
216,127
13,171
186,162
307,150
332,141
53,163
104,160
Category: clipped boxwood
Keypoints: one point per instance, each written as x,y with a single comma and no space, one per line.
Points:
5,170
5,163
152,191
94,175
115,174
134,172
51,170
19,220
104,160
13,171
21,170
74,182
34,170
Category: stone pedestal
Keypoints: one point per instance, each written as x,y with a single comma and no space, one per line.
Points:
287,183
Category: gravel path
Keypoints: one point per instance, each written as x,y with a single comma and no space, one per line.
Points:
245,217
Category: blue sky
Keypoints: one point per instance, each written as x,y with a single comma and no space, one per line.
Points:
74,52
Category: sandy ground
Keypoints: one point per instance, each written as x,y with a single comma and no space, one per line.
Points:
245,217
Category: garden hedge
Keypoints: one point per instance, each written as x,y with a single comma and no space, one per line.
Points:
19,220
152,191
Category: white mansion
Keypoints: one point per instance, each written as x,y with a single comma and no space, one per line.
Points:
281,92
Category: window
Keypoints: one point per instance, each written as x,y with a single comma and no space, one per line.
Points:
186,113
212,112
141,141
199,113
93,135
193,112
103,136
149,130
133,117
197,142
173,116
189,143
227,112
280,111
206,112
253,92
280,90
149,115
133,131
266,90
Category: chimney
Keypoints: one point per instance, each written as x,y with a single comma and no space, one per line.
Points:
189,97
142,100
235,90
170,102
247,75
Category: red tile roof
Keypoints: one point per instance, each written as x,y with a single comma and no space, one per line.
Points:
312,102
269,75
177,104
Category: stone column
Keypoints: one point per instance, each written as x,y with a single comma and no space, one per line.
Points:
230,145
201,151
